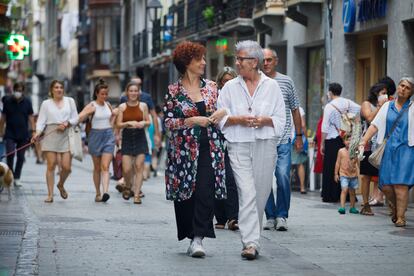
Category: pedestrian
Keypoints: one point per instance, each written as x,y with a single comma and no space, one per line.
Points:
17,114
195,171
101,139
395,126
226,211
369,108
331,140
254,122
146,98
56,115
346,173
277,212
299,158
132,119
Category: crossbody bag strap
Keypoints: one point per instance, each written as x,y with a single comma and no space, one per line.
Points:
394,126
340,113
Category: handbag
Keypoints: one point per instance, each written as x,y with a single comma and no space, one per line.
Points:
376,156
75,142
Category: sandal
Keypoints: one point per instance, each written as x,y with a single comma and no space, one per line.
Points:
233,225
400,222
393,212
49,200
62,191
137,200
126,194
98,198
366,210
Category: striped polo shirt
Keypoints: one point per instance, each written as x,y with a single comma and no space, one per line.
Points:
291,103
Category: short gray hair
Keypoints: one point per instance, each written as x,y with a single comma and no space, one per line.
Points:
274,53
253,49
409,79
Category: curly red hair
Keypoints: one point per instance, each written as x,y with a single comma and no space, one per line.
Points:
185,52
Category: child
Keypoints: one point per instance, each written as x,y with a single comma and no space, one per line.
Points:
346,172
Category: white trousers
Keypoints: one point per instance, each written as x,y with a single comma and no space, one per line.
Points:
253,164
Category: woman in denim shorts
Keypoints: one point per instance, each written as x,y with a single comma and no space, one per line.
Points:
101,140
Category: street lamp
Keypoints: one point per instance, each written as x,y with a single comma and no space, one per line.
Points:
153,6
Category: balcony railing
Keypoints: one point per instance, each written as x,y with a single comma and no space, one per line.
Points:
190,18
140,46
105,59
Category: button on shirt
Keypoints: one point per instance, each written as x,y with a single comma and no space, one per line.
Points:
267,100
332,118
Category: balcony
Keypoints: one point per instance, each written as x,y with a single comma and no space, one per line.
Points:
300,10
269,8
298,2
228,17
105,59
139,46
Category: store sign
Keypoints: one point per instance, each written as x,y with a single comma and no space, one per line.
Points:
17,47
168,28
349,15
371,9
221,45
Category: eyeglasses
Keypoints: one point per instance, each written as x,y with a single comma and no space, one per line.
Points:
241,59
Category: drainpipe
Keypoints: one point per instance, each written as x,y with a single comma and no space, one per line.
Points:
328,43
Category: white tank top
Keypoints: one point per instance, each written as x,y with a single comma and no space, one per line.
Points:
102,116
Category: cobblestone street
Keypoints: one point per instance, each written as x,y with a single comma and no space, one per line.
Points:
80,237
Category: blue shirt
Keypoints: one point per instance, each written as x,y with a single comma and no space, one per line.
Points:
144,97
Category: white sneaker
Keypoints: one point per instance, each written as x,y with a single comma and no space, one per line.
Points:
281,224
269,225
17,183
196,249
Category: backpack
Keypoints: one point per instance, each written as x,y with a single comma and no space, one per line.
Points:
348,120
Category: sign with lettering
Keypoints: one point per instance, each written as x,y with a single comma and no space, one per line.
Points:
349,15
371,9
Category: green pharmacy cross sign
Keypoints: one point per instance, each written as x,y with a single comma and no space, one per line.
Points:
17,47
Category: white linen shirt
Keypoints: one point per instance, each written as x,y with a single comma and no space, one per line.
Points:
380,121
50,114
332,118
267,101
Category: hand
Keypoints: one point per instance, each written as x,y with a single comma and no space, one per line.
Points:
298,144
217,116
322,149
246,120
336,178
203,121
62,126
35,138
382,100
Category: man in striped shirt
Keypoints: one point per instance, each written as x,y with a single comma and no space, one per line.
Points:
277,214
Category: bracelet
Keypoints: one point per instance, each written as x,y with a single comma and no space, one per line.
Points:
299,134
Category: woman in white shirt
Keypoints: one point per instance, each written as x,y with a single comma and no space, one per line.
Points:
101,139
56,115
255,119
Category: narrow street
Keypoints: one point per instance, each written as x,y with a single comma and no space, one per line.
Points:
80,237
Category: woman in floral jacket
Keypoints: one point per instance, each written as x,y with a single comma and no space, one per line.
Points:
195,172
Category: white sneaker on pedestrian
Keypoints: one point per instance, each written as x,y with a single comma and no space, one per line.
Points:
281,224
196,249
17,183
269,225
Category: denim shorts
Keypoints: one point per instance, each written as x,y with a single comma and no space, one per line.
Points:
349,182
101,141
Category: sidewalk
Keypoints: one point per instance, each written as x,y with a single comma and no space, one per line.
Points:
80,237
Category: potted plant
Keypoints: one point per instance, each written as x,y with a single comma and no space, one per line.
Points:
208,14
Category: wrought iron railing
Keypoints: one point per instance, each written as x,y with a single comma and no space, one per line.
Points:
140,46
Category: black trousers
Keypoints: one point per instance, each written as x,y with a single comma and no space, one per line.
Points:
331,190
194,216
228,209
11,145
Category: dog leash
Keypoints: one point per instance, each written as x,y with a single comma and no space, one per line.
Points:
27,145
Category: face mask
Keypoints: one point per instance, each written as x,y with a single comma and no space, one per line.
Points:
18,95
383,97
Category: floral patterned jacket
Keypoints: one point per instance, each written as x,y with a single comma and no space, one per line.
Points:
183,142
